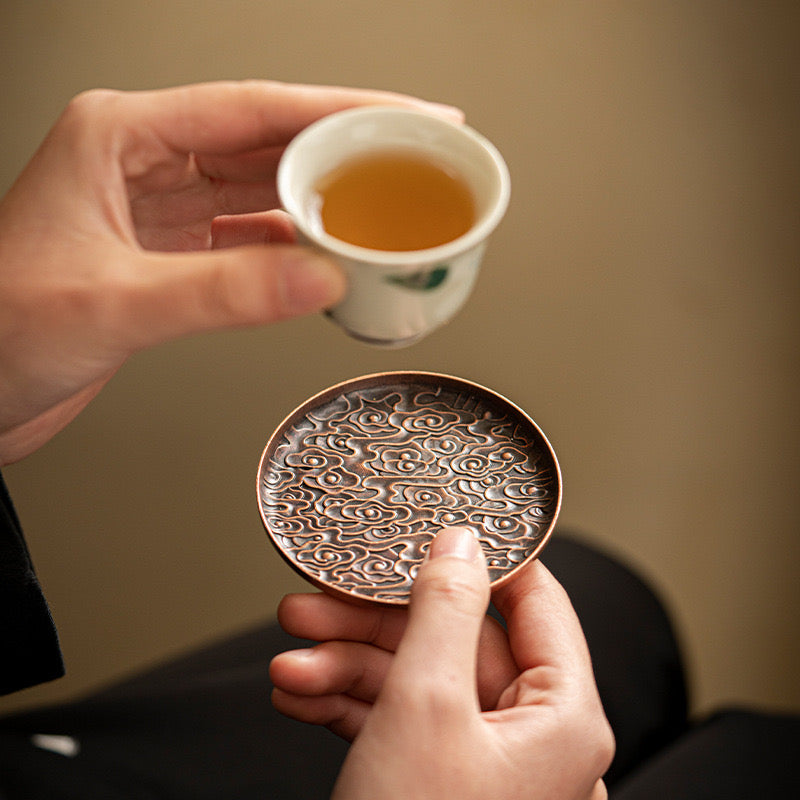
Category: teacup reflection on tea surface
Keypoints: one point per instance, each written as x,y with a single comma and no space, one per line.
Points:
405,202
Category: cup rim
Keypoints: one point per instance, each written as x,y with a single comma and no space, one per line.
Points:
477,234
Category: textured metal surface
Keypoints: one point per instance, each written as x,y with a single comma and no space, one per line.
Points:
355,483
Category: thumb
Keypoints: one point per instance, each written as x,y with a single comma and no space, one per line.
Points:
183,293
448,603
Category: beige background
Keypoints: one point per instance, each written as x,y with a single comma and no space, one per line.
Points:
640,301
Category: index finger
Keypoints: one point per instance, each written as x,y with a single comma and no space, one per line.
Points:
225,117
543,628
320,617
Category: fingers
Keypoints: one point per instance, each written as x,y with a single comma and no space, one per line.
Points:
172,295
542,625
343,715
268,227
333,684
228,117
437,657
350,668
549,646
320,617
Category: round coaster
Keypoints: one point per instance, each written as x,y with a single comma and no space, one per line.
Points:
356,482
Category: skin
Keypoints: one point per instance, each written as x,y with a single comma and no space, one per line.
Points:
460,709
147,216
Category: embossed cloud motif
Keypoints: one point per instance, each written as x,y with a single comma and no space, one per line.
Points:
356,489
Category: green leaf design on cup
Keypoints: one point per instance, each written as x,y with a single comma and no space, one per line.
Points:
422,281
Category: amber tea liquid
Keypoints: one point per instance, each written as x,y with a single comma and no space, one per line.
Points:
394,201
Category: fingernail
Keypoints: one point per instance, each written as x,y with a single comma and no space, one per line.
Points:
303,654
312,283
455,542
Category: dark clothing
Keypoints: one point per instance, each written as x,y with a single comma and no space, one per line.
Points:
28,636
202,727
735,754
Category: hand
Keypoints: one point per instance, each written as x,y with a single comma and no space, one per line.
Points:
423,733
88,234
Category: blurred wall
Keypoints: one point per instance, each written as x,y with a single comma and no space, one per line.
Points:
640,301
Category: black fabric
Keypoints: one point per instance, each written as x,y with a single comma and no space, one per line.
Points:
737,753
199,728
30,649
202,727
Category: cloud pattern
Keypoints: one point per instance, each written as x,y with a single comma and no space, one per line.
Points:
356,489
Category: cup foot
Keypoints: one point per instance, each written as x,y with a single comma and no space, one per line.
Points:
377,341
387,344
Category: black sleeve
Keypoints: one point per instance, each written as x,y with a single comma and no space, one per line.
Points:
29,649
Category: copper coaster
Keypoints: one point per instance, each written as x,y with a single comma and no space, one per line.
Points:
356,482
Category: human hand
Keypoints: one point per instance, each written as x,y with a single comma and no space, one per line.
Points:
90,232
423,732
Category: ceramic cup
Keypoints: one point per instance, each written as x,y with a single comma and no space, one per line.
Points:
396,298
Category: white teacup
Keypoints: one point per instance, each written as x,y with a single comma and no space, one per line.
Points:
394,298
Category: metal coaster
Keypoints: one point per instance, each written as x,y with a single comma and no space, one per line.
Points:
355,483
